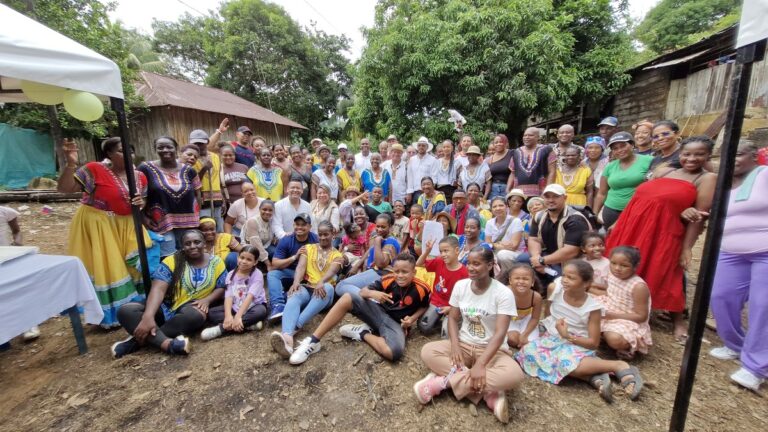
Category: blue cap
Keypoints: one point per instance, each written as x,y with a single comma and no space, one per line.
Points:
609,121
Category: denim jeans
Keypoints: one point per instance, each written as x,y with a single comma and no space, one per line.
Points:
303,306
354,283
497,190
275,288
205,211
231,261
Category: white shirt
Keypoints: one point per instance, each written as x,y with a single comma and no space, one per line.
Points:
492,230
479,312
399,178
7,214
282,221
362,163
480,175
241,212
577,318
418,168
448,175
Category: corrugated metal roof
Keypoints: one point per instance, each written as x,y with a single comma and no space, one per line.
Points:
158,90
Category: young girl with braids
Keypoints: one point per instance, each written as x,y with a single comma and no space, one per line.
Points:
183,288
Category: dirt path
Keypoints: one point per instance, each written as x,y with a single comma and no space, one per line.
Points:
238,383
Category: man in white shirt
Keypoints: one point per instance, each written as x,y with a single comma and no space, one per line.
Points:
397,172
363,159
342,149
420,165
287,208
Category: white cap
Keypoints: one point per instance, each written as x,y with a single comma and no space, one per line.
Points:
555,189
341,146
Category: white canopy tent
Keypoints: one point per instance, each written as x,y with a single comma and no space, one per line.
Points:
33,52
30,51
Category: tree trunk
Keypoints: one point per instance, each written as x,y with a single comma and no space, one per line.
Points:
58,137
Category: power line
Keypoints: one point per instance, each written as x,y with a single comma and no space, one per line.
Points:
323,17
190,7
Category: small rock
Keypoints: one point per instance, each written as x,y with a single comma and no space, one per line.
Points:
261,399
245,411
333,422
184,375
76,401
473,410
336,339
217,365
304,425
166,384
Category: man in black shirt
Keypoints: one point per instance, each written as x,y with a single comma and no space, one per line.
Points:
555,235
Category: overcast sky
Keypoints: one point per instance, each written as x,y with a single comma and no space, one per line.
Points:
332,16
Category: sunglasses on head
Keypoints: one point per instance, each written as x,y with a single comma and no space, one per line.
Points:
662,135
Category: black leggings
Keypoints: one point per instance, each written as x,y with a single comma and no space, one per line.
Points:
610,216
187,320
254,314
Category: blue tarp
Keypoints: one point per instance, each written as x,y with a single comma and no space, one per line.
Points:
24,155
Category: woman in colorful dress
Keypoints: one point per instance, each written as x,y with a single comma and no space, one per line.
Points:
576,178
102,234
476,200
223,245
299,171
173,196
183,289
326,175
652,222
268,179
431,200
348,177
528,165
377,176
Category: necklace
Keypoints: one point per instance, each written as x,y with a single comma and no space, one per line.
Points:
568,174
322,258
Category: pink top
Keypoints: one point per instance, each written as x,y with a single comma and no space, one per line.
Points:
746,224
602,268
357,247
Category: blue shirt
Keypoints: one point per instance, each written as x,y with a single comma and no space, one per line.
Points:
244,155
387,241
288,246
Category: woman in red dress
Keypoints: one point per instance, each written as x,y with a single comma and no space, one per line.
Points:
660,220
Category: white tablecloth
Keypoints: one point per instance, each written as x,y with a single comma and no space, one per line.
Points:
34,288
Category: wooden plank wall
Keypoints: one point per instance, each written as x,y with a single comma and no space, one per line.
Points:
179,122
643,98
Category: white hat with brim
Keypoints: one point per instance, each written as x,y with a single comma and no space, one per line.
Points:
429,144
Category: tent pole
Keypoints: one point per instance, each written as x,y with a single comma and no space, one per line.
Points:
735,117
118,105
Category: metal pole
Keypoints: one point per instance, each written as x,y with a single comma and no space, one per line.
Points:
737,104
118,105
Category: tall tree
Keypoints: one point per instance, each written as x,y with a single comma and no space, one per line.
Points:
496,61
673,24
254,49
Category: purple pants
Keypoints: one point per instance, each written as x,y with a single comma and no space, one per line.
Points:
742,278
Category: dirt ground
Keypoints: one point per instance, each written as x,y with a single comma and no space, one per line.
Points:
238,383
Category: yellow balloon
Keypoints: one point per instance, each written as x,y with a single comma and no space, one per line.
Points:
83,105
42,93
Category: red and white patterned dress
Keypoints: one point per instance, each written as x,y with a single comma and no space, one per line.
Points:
619,299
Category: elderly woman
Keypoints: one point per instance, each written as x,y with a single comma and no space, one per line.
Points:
377,176
505,233
101,233
326,176
595,158
534,206
183,288
242,210
516,202
741,269
620,179
223,245
576,178
431,200
258,233
325,209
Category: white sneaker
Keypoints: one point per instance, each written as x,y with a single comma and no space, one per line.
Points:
32,334
352,331
281,346
747,379
211,333
302,352
724,353
256,327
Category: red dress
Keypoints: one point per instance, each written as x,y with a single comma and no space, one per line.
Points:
651,222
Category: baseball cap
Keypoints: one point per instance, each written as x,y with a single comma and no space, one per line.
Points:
342,146
303,217
621,137
474,150
198,136
609,121
555,189
244,129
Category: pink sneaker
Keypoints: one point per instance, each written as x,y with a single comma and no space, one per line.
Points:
497,402
428,387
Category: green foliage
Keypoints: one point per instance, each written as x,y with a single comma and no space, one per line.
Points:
87,22
673,24
256,51
495,61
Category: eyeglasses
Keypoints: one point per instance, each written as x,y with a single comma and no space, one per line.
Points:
662,135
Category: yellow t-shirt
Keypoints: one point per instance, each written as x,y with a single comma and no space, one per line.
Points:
347,181
224,244
211,181
315,272
269,185
195,283
576,186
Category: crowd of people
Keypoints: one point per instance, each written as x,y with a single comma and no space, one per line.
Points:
548,250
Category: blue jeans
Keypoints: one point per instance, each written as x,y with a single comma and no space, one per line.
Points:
353,284
275,288
270,251
205,211
303,306
497,190
231,261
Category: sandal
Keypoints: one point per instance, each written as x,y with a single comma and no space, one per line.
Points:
602,382
636,379
625,355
